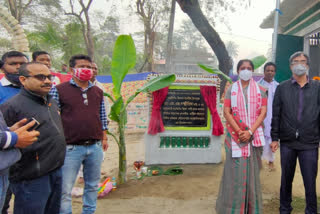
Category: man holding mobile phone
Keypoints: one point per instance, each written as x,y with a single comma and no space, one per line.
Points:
36,179
11,139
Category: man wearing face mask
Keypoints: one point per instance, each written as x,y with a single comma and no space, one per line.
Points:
85,122
10,84
295,122
270,84
95,82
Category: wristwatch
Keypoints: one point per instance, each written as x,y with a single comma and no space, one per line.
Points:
250,132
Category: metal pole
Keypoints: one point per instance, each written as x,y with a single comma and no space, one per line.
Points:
170,34
275,32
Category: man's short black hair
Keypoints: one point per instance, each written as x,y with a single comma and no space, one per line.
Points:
269,64
38,53
72,61
23,70
12,54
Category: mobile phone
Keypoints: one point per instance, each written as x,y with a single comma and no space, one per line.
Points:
35,126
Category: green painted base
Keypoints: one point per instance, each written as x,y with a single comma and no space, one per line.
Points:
169,142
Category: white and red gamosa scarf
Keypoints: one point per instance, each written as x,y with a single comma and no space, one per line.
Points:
249,116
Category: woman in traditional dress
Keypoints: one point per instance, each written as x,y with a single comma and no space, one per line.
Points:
245,108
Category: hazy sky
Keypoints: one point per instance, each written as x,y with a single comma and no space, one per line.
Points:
245,30
244,23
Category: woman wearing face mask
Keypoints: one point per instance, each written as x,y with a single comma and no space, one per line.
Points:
245,108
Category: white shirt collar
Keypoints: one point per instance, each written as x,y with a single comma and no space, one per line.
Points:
5,82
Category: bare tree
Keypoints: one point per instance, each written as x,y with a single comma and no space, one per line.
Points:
193,10
151,14
85,23
18,8
33,12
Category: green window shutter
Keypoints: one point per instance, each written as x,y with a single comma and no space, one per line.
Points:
286,46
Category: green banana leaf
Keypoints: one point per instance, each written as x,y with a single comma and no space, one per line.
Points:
158,83
258,61
115,110
109,96
123,59
154,85
215,71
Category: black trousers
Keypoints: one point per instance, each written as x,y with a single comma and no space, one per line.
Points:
308,161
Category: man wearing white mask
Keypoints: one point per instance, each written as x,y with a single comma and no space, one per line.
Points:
295,122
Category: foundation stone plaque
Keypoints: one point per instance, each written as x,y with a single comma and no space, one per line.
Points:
184,108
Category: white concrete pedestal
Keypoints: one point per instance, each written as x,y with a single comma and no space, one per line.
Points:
156,155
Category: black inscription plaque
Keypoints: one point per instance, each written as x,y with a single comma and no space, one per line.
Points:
184,108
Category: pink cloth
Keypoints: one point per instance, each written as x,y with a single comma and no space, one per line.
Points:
209,94
250,115
156,123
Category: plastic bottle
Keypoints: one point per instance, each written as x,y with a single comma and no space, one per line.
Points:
114,184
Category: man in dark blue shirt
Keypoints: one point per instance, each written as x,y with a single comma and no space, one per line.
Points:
10,84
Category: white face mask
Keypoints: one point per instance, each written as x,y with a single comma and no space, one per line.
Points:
245,74
299,69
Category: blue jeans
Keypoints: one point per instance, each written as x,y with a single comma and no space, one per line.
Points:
308,161
38,196
91,158
4,183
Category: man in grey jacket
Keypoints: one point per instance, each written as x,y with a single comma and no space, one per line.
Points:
17,136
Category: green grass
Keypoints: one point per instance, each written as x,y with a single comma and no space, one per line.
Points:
272,206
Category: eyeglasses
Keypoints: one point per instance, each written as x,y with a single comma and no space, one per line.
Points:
85,97
294,62
41,77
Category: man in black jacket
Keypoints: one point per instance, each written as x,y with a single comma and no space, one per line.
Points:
36,179
295,122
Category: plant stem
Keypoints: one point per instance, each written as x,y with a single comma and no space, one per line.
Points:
122,174
114,137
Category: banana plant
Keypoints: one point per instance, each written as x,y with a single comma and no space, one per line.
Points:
124,59
214,71
257,62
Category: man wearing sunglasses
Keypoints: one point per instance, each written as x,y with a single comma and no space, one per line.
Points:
36,179
84,121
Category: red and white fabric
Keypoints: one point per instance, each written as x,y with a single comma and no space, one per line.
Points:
248,114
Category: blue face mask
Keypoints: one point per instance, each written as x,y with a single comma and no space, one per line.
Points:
13,78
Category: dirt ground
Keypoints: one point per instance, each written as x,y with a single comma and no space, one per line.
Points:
193,192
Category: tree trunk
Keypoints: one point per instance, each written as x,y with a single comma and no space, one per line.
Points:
152,38
122,173
170,35
193,10
89,43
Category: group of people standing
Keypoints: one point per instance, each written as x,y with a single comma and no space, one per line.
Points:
53,130
259,115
